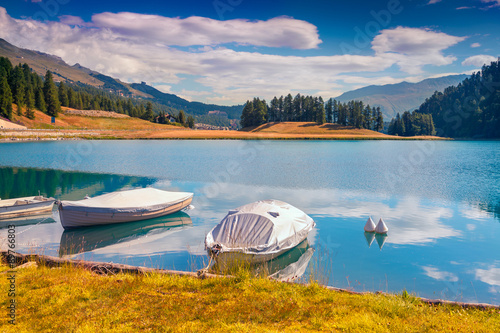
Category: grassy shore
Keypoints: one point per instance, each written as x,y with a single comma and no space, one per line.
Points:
70,126
71,299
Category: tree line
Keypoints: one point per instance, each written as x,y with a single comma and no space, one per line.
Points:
21,86
411,124
312,109
471,109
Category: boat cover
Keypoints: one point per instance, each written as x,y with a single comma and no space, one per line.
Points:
132,201
262,227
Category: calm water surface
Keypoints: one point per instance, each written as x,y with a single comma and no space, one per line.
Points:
440,200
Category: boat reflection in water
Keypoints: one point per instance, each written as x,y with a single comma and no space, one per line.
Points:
289,266
85,239
28,220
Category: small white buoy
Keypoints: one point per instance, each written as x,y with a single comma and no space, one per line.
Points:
381,228
370,225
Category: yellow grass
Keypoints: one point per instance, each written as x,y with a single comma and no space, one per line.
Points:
133,128
71,299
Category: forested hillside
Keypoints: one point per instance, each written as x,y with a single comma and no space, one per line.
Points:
20,85
469,110
311,109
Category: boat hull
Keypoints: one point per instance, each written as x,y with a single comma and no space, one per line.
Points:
228,259
78,218
9,209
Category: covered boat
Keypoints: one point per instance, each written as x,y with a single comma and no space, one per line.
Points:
258,232
25,206
122,206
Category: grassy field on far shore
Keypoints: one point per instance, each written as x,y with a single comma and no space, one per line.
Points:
71,299
76,126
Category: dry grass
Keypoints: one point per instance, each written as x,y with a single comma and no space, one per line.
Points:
134,128
75,300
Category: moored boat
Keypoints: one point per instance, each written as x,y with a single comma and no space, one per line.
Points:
122,206
17,207
258,232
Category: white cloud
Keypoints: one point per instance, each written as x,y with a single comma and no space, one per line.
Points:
490,276
478,60
491,3
436,274
275,32
412,48
431,2
136,47
475,45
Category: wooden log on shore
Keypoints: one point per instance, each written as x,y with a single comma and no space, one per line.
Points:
97,267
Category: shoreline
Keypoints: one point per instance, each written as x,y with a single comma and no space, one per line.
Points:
9,135
114,268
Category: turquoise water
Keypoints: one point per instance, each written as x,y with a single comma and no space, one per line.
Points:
440,200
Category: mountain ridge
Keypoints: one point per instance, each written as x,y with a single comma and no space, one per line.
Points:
400,97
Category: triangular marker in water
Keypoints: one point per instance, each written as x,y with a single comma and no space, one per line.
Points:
380,240
370,236
370,225
381,228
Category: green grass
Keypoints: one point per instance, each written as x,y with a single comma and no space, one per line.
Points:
70,299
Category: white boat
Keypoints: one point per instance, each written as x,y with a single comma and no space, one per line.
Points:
257,232
25,206
79,240
122,206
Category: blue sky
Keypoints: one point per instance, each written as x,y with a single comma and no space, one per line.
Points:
228,51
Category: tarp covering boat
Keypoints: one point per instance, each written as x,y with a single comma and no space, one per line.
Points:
122,206
25,206
265,227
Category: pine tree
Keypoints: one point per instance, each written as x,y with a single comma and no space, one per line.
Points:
18,88
63,94
246,118
40,100
379,122
190,121
320,111
51,96
329,111
181,117
5,98
148,115
30,104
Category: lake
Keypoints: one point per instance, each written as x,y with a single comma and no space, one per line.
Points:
440,200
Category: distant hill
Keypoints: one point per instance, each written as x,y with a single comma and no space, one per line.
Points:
41,62
196,108
400,97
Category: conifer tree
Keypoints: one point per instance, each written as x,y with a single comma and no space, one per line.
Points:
148,115
320,111
40,100
181,118
63,94
30,104
5,98
246,118
190,121
51,96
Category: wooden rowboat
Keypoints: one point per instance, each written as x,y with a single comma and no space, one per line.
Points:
25,206
122,206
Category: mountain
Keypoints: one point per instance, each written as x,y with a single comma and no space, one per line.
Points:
41,62
400,97
195,108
